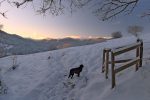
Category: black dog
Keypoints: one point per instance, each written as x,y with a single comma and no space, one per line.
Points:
76,71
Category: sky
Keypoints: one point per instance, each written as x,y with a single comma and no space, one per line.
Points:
81,24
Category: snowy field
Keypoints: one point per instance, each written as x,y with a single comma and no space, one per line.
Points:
39,78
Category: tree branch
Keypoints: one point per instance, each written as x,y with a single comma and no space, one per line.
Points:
145,14
4,14
112,8
104,9
21,3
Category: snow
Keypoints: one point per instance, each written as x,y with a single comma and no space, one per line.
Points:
38,78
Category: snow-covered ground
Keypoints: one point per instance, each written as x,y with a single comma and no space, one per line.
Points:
38,78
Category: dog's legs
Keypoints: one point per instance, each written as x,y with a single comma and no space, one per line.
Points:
72,76
69,76
78,74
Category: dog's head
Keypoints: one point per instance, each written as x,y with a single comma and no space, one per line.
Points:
81,66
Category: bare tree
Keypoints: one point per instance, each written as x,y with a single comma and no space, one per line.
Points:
1,26
134,30
111,8
104,9
55,7
116,34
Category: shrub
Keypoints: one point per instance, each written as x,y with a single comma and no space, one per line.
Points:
134,30
116,35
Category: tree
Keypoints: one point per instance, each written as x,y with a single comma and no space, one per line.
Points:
111,8
116,35
54,7
104,9
1,26
134,30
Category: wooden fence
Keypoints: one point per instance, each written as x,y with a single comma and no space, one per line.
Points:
109,56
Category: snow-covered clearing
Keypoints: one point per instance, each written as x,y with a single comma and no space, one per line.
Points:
40,78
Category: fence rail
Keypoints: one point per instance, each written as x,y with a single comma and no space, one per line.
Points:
126,48
127,64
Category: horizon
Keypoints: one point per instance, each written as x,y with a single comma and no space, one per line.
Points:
47,38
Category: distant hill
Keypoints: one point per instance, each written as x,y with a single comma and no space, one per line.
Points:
14,44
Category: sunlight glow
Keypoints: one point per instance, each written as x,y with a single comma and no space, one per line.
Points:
31,35
74,36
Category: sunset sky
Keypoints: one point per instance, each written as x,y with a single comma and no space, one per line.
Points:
81,24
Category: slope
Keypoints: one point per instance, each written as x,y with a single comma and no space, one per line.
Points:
40,78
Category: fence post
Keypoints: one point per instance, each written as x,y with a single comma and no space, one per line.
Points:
141,53
103,63
113,70
137,55
107,63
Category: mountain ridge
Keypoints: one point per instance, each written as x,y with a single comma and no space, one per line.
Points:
22,45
